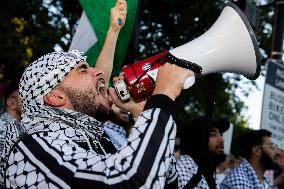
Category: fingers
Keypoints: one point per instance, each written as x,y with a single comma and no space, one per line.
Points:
170,80
118,15
120,77
121,7
131,106
121,2
122,10
116,100
114,96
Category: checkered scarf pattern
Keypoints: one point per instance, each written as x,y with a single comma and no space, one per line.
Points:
13,131
9,132
186,168
116,128
41,76
244,176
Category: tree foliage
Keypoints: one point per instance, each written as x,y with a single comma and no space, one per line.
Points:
29,29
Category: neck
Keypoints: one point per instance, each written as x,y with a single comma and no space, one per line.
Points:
14,114
258,168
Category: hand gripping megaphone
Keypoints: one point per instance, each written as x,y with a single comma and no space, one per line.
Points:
228,46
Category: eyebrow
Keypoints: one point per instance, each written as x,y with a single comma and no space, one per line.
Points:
82,66
13,96
214,129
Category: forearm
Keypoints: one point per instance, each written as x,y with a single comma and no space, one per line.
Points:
106,57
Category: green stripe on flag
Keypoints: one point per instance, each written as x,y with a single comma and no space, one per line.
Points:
98,13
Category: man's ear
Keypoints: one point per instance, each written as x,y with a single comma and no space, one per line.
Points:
256,151
55,98
11,103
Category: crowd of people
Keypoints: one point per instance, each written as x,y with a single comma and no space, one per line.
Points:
63,127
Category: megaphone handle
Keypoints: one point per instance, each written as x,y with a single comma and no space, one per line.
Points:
188,82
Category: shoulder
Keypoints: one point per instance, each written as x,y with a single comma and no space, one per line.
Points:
186,161
43,149
34,161
186,168
5,118
237,178
46,145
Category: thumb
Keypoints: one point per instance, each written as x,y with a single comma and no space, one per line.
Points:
114,97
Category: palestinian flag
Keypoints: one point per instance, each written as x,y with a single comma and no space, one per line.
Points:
92,30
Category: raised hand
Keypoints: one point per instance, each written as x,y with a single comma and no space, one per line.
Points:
118,15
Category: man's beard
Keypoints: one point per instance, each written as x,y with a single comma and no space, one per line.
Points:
85,102
216,155
267,162
217,158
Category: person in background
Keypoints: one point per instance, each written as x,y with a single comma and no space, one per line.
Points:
123,118
202,149
259,155
279,174
12,104
121,122
12,113
119,126
224,168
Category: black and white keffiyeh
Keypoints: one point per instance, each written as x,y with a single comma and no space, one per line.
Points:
13,131
5,119
10,131
41,76
186,168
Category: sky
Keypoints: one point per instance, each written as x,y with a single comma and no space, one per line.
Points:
254,103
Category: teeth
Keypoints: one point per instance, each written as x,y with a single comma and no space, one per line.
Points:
102,85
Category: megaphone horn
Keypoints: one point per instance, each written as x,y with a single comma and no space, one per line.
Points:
228,46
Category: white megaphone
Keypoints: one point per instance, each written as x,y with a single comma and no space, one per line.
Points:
228,46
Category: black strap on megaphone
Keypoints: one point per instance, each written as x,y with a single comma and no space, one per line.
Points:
182,63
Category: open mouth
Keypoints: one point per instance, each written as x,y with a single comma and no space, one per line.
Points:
220,147
102,87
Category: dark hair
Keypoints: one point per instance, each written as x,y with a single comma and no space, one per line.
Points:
9,89
194,139
251,139
194,136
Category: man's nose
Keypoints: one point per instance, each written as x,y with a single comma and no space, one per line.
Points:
221,138
277,152
96,72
